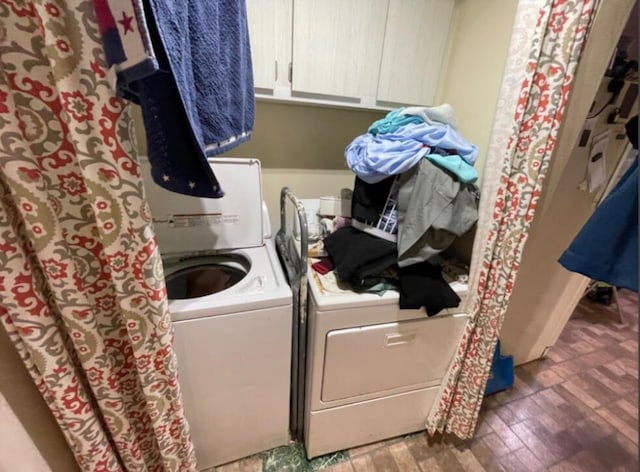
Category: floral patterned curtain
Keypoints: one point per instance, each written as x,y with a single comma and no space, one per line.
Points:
82,292
546,44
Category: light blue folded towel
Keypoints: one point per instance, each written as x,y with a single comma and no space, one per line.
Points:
395,119
438,115
443,114
443,136
455,164
373,158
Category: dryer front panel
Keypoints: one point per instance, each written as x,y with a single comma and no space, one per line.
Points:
382,358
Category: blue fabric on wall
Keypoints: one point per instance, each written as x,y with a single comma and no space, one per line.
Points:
200,103
606,248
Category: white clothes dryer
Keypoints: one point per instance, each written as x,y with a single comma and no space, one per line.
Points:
373,370
367,370
231,309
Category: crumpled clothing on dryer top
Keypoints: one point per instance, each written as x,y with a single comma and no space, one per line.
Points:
373,158
441,114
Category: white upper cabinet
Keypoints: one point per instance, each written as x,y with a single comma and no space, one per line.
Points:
414,47
337,46
262,34
365,53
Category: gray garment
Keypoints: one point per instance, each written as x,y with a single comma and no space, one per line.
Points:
433,209
434,115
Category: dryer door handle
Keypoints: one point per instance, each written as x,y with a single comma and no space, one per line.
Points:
398,339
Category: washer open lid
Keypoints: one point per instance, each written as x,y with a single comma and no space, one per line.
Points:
185,224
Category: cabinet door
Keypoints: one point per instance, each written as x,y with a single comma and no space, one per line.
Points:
414,47
337,46
262,34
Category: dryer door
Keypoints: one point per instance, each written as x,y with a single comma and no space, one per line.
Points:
385,357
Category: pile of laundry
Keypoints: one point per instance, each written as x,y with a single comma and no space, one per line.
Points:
414,194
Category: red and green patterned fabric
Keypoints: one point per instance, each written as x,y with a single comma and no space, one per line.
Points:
82,293
546,44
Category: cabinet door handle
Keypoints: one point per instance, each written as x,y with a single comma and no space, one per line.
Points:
276,71
397,339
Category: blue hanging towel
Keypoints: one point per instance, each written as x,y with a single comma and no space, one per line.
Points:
199,101
606,248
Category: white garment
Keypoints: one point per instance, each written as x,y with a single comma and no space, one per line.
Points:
431,115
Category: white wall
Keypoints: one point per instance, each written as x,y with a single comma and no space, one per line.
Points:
304,183
30,439
545,294
17,450
471,77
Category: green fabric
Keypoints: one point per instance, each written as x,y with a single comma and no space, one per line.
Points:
381,288
392,122
465,172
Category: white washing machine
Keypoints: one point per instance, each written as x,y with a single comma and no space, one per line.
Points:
231,309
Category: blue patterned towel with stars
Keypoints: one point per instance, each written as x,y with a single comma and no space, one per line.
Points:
199,101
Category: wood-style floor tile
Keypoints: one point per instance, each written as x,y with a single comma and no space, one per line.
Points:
431,465
448,462
629,408
418,447
616,384
559,354
483,427
403,458
529,460
484,456
496,445
367,448
580,393
508,437
511,462
574,405
583,461
610,452
630,346
383,461
538,447
618,423
362,463
468,461
630,366
591,430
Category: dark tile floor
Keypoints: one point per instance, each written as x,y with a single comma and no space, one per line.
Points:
575,410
